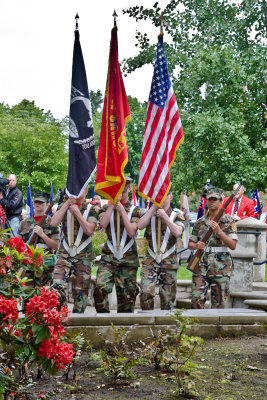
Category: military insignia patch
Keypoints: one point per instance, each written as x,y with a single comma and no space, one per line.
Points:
234,227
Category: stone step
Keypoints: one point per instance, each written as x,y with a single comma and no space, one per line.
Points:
250,295
183,303
212,323
184,282
260,286
257,304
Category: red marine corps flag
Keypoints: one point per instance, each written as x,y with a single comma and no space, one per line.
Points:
163,134
112,151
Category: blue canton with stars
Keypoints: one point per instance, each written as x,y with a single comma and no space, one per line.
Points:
161,81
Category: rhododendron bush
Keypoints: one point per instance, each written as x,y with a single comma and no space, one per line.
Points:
37,337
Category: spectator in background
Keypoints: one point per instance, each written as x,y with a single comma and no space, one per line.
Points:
96,200
12,201
241,207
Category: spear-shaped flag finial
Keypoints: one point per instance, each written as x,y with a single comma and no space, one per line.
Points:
77,22
161,20
115,16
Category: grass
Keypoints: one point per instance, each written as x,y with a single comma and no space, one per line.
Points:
182,273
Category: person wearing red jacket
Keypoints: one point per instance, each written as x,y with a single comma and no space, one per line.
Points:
241,207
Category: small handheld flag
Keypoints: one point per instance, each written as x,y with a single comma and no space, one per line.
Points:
29,205
51,196
257,204
200,211
134,199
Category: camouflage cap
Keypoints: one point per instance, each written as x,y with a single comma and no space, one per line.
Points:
214,193
41,196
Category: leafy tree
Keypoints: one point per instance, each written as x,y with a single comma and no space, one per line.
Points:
34,146
96,100
217,46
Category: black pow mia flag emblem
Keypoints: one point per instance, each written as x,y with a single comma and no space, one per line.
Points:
82,159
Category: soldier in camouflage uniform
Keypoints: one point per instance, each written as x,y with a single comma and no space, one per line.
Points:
160,266
79,220
215,267
118,267
47,237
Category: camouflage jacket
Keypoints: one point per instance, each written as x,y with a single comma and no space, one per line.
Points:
26,228
88,251
215,263
132,252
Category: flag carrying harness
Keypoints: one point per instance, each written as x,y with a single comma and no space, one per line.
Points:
154,253
77,247
113,246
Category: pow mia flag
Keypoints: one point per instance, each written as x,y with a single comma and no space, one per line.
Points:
82,160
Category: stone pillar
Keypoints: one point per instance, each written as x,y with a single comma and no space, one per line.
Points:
253,244
242,280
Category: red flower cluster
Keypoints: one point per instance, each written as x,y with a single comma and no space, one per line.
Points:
8,309
60,353
29,258
39,304
17,243
5,262
2,216
43,309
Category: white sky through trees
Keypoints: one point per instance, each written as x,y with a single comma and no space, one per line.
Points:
36,45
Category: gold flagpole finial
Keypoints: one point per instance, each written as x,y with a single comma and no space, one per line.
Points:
161,20
115,16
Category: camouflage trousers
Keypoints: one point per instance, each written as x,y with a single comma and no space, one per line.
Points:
79,273
219,289
167,281
123,276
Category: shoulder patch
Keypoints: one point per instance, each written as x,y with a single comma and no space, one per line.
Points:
234,227
180,216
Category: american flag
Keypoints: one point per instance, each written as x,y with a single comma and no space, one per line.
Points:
163,134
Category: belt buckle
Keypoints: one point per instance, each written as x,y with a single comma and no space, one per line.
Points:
119,254
158,258
73,251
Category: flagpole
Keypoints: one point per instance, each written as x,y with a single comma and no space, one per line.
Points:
72,216
161,19
159,235
114,15
118,230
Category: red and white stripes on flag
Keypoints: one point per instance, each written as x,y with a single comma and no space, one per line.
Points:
163,134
